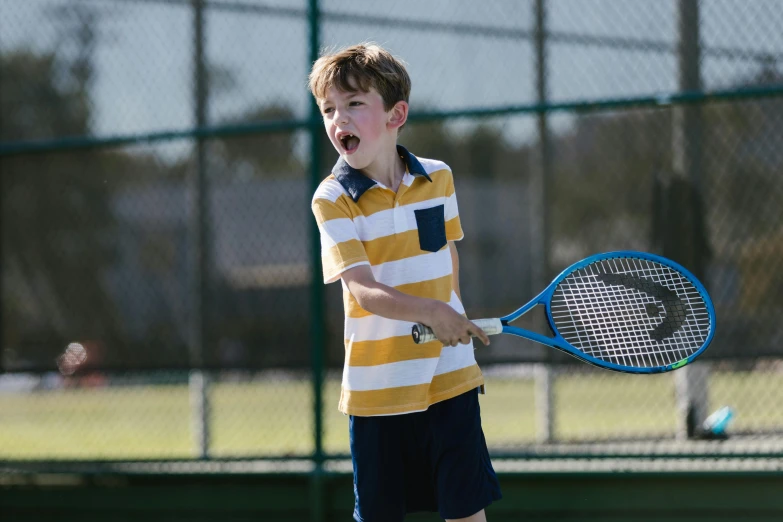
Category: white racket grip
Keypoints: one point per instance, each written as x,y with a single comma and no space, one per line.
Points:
423,333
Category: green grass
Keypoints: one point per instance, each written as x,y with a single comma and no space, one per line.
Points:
631,405
273,417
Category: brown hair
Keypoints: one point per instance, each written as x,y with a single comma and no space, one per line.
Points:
360,68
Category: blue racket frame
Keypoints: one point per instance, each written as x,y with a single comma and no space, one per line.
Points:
545,298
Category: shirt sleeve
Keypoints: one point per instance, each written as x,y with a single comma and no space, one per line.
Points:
341,248
451,213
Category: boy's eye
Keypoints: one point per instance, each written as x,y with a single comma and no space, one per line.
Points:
327,110
355,103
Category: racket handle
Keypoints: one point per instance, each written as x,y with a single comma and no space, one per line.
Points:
423,333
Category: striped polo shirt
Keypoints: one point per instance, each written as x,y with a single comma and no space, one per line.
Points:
404,238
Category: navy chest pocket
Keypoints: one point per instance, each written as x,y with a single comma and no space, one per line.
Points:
432,228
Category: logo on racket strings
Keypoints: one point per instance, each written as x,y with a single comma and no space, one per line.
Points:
675,311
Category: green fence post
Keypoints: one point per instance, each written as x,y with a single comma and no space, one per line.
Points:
545,374
199,379
317,344
685,239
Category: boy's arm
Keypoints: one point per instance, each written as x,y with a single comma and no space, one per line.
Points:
450,327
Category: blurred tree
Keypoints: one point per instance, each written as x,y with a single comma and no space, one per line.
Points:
602,180
480,152
605,191
484,147
429,139
742,183
56,223
742,170
259,155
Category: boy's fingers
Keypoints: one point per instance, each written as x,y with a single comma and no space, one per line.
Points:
478,332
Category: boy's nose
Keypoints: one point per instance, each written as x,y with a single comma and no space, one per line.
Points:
341,117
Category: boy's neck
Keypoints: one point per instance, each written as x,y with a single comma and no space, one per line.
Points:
387,169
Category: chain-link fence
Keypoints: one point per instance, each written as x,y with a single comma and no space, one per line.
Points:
161,293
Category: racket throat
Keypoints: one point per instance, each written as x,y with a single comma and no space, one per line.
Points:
535,319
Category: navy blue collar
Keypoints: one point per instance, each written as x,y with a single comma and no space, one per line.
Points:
356,183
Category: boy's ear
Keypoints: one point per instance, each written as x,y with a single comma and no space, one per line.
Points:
398,115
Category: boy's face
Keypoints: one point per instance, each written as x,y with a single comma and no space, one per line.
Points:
356,123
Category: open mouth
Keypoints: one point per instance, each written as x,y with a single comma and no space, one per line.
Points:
349,142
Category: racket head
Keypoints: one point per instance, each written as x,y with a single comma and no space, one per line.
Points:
630,311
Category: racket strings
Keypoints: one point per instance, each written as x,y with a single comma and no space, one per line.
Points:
631,312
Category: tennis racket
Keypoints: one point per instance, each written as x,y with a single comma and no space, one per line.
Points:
624,311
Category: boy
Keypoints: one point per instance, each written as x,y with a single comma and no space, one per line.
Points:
388,223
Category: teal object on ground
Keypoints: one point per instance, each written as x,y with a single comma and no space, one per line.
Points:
718,421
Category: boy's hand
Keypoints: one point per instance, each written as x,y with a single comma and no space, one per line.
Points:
452,328
449,327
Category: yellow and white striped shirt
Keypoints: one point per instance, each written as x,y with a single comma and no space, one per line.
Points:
404,238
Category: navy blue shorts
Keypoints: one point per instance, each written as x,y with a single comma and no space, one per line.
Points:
434,460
